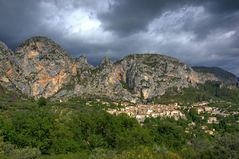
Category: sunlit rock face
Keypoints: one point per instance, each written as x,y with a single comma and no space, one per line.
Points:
8,69
150,75
40,67
45,67
5,64
100,80
141,76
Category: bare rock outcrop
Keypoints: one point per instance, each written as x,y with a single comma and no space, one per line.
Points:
40,67
8,69
44,67
216,74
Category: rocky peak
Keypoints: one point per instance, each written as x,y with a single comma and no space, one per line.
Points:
150,75
152,57
40,67
106,62
7,67
4,51
3,45
83,59
45,67
82,62
217,74
41,47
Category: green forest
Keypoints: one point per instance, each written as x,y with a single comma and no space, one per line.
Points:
45,129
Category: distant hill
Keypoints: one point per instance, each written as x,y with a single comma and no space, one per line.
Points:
220,73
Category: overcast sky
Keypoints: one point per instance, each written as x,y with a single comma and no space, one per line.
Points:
198,32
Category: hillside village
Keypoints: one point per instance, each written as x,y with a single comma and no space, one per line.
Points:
176,111
141,111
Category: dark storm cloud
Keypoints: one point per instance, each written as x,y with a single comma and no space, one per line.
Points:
17,19
198,32
222,6
222,14
218,17
131,16
20,20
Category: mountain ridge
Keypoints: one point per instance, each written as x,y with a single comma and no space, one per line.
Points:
41,67
218,72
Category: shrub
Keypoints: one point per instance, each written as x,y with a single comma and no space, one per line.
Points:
41,101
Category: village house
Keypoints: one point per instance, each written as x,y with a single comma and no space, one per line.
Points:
212,120
200,110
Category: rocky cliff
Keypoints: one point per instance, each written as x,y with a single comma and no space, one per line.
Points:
43,66
218,74
8,69
40,67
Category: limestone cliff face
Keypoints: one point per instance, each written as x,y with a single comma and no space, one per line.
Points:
101,80
44,67
40,67
5,63
8,69
150,75
135,77
215,74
